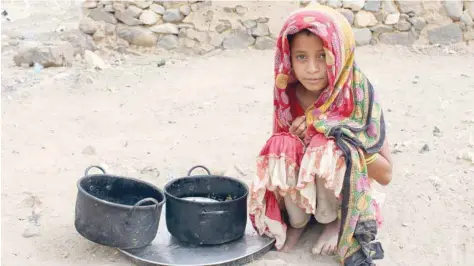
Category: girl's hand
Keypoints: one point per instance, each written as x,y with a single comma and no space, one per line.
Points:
298,127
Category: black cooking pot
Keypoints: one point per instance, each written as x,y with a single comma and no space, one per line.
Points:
117,211
206,223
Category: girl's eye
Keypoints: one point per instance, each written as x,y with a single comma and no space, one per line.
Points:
322,56
300,57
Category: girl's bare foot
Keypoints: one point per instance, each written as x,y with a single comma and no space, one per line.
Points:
327,241
292,237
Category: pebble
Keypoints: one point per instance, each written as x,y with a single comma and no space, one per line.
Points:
418,23
89,150
90,4
223,26
466,155
372,5
140,36
149,17
169,42
354,5
94,61
241,10
30,230
454,9
167,28
265,43
158,9
249,23
364,19
127,18
403,25
100,15
173,15
436,131
161,63
185,10
398,38
88,26
150,170
348,14
435,181
392,19
410,7
467,19
334,3
261,30
238,39
142,4
445,35
134,11
215,39
425,149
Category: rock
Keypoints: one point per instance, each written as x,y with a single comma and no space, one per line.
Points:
448,34
362,36
99,15
89,150
215,39
467,19
418,23
454,9
169,42
108,8
265,43
380,16
47,55
241,10
436,131
398,38
173,15
167,28
88,26
410,6
149,17
161,62
380,28
90,4
223,26
185,10
238,39
389,7
141,3
334,3
99,35
249,23
137,35
93,61
199,36
188,43
158,9
127,18
261,30
151,171
348,14
372,5
364,19
134,11
119,7
392,19
424,149
263,20
469,36
354,5
403,25
436,181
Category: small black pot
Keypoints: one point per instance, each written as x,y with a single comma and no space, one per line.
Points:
117,211
206,223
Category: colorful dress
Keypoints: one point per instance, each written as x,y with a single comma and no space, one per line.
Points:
343,123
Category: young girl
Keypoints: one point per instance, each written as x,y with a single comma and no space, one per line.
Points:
328,143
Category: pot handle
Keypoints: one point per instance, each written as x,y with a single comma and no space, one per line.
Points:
94,166
199,166
214,212
140,202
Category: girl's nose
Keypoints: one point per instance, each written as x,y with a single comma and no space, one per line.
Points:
313,67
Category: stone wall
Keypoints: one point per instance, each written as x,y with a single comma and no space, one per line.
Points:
202,26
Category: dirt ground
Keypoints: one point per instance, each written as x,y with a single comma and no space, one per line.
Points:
144,121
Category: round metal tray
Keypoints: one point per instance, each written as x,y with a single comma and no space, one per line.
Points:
166,250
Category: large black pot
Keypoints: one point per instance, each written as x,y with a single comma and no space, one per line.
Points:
117,211
206,223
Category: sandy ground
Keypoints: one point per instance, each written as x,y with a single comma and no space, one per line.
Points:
216,111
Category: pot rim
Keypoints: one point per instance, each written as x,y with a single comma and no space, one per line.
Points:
123,206
169,183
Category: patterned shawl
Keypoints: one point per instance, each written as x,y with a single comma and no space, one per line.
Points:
347,112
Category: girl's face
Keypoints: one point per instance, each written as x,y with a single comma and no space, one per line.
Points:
309,61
